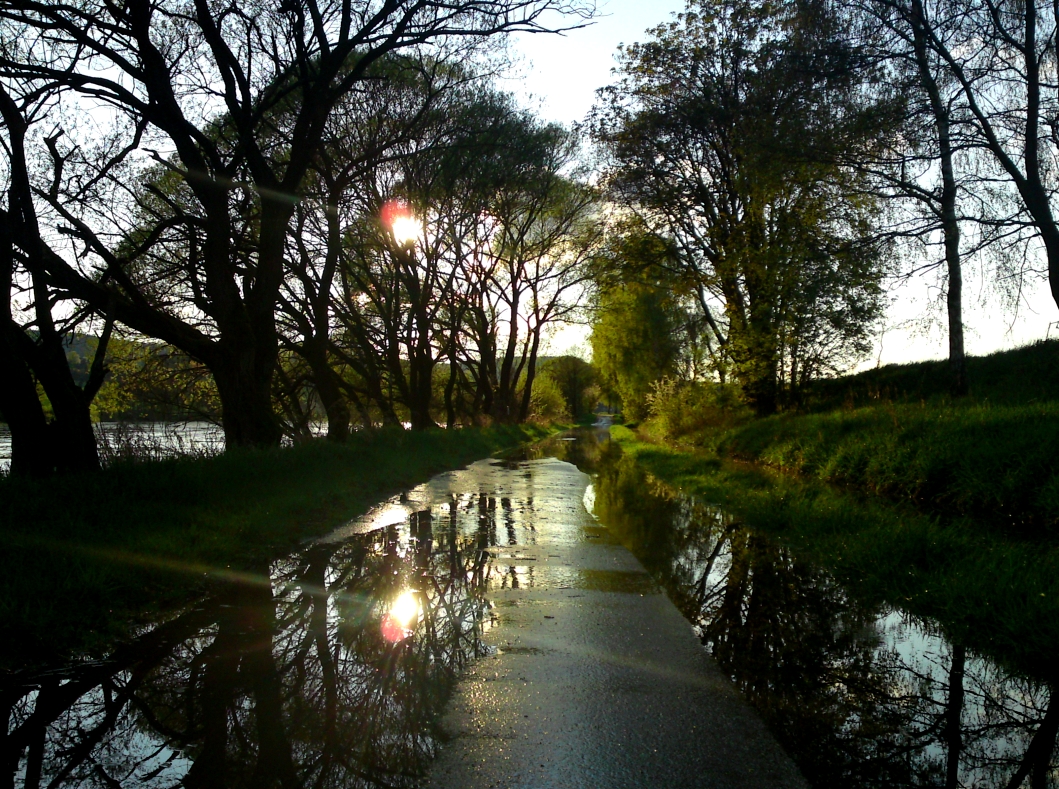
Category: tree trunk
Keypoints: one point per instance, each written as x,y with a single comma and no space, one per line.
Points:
20,406
952,732
245,391
950,225
531,374
421,392
331,396
1038,754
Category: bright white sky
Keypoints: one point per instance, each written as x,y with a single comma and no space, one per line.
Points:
559,76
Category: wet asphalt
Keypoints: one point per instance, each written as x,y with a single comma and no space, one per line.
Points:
597,680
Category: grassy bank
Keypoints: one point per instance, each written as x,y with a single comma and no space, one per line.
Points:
83,555
997,462
996,593
895,432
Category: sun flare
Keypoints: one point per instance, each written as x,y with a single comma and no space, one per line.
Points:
405,230
398,622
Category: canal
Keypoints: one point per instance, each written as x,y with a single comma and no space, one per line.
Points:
334,666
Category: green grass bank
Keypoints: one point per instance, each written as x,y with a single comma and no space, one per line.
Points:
84,555
895,432
997,593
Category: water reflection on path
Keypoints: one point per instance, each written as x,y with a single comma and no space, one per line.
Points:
860,695
308,675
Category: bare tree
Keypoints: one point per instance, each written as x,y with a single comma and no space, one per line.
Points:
1001,58
32,351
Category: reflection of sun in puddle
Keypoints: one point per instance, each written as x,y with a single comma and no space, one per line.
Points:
397,623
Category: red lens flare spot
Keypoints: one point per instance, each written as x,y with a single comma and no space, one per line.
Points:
392,629
393,210
398,622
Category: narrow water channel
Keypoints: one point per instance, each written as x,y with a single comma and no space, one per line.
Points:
331,667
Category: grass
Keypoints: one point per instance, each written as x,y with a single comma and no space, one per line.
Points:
895,432
987,461
84,555
996,593
1020,376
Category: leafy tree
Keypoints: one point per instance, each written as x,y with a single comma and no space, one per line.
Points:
635,342
243,100
575,379
723,135
501,239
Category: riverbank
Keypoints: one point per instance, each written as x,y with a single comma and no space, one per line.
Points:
85,555
996,592
894,432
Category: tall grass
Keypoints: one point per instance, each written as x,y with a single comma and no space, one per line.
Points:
987,461
82,555
896,432
1019,376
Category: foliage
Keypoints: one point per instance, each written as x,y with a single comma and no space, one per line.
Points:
153,381
547,403
724,134
634,342
682,408
896,432
576,380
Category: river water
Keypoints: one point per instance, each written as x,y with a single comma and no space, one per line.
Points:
329,668
142,440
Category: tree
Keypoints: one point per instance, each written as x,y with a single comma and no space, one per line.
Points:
576,380
491,249
635,342
1007,89
376,126
270,81
723,135
34,352
933,172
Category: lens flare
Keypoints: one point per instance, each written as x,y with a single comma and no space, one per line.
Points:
397,216
405,230
402,616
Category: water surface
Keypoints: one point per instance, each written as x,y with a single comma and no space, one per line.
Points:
330,667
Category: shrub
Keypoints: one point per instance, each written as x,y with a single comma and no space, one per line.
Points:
678,408
547,403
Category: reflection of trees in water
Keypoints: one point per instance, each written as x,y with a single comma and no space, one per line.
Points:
289,682
859,694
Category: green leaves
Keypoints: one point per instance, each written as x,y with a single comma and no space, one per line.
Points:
725,134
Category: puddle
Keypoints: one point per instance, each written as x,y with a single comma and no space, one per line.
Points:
328,668
332,668
859,694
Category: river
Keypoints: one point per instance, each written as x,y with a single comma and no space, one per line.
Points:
142,440
331,667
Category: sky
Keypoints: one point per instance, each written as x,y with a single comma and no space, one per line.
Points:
558,77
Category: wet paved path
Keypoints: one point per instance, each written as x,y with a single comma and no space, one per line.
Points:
597,680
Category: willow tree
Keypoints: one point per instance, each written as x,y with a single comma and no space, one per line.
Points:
723,134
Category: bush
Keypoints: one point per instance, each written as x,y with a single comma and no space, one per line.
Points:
547,403
679,408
